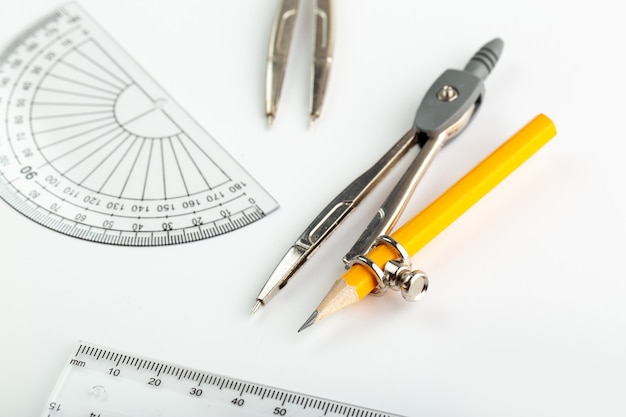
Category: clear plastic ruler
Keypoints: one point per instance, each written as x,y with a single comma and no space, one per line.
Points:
100,382
91,146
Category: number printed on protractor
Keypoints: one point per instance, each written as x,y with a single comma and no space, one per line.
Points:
94,148
97,381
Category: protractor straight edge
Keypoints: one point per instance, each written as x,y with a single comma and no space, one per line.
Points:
94,148
98,381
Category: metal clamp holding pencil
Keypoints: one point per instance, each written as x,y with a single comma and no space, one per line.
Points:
445,111
280,42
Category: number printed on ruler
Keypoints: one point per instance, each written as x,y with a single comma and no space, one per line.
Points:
100,382
94,148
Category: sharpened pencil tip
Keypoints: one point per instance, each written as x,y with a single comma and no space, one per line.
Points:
309,322
256,307
314,117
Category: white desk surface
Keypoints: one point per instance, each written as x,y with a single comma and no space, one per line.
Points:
526,313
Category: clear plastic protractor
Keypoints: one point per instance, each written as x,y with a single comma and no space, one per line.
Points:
94,148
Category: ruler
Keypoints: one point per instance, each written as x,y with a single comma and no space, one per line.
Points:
92,147
101,382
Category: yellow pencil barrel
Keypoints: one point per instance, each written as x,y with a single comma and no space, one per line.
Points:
422,228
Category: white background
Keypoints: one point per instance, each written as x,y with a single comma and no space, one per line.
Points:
526,314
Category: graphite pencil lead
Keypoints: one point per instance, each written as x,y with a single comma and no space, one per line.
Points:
270,120
309,322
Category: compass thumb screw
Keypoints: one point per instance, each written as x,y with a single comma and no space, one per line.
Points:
399,276
413,285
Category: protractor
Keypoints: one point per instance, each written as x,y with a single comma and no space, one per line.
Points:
94,148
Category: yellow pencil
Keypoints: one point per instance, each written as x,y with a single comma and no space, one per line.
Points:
359,280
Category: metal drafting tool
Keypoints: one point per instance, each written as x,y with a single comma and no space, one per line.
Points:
446,109
388,265
91,146
280,42
98,381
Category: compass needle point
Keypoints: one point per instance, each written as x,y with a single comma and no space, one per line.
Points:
257,306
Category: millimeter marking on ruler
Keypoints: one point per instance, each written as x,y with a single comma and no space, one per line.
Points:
97,381
91,146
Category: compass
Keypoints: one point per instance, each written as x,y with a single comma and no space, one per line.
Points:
94,148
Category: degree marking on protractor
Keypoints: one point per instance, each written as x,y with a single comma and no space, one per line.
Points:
25,67
94,148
